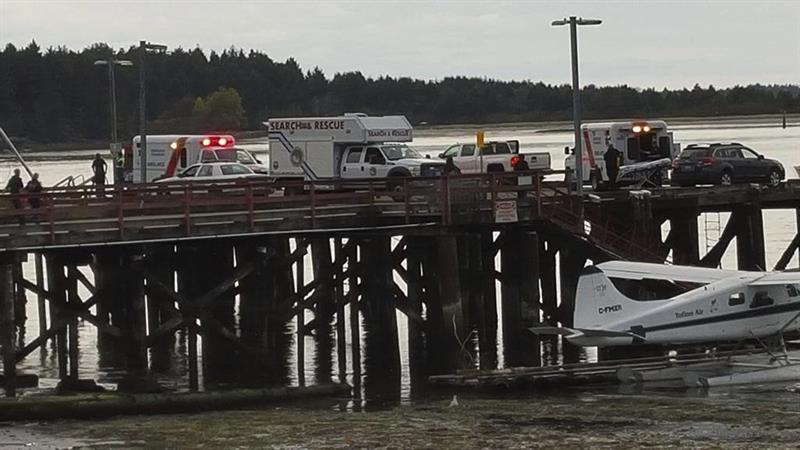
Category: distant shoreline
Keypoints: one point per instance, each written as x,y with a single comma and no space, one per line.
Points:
422,130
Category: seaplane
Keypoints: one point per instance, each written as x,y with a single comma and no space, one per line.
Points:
621,303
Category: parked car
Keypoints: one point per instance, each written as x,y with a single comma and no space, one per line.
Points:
217,171
724,164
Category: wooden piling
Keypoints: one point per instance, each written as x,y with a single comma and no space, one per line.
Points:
324,308
301,317
549,303
255,296
416,346
40,299
73,302
750,251
354,295
339,299
161,260
487,327
56,284
685,245
453,324
519,261
571,263
382,358
8,328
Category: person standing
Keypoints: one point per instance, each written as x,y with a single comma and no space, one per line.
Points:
99,168
14,186
34,189
450,167
611,158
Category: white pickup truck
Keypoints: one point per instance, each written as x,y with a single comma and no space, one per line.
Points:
494,156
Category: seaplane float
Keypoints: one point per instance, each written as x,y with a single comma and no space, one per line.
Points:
629,303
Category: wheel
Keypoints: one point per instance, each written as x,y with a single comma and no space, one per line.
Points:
774,178
726,179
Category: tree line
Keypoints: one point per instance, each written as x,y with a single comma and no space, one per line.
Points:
58,95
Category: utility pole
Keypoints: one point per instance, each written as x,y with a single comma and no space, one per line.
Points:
143,48
573,23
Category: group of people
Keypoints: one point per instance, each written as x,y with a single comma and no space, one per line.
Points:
15,186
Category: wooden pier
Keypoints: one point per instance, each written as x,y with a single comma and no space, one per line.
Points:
164,265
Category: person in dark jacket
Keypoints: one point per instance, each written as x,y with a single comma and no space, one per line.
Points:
611,159
14,186
450,167
34,187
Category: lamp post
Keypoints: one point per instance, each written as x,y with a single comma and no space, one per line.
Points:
573,23
112,90
144,47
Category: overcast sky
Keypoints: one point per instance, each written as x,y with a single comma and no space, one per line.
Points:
640,43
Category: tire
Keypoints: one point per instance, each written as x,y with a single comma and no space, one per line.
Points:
726,178
774,178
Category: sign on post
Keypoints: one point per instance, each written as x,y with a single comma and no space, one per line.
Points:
505,211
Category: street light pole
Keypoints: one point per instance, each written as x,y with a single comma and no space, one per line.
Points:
112,91
143,48
573,23
142,117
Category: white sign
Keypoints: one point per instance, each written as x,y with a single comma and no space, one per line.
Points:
505,211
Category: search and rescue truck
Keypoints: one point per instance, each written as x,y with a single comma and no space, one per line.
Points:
645,143
168,155
348,147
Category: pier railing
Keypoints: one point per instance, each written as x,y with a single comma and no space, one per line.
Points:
92,215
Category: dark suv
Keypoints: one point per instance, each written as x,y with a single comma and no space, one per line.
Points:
724,164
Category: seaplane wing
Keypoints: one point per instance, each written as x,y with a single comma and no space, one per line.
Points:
777,278
576,335
640,271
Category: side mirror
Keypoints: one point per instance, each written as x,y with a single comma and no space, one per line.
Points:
258,161
427,156
566,150
441,155
760,156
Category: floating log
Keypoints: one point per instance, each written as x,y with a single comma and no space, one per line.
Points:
104,405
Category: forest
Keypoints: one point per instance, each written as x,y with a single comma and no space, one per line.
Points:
60,95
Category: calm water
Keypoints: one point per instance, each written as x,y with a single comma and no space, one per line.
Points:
525,424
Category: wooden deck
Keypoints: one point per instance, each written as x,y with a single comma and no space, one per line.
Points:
84,216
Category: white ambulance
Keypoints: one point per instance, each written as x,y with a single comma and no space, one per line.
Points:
167,155
645,144
352,146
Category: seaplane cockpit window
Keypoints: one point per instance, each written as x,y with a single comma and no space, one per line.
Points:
761,299
736,299
792,291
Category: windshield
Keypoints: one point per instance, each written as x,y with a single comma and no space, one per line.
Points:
399,151
244,157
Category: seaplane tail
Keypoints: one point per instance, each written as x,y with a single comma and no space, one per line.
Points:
600,311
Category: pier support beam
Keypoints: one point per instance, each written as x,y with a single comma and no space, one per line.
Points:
8,328
324,308
487,326
750,251
520,294
416,344
380,322
685,241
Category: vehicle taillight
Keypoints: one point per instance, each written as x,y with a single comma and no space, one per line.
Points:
675,163
515,160
705,162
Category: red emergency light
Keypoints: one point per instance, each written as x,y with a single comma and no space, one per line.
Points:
217,141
